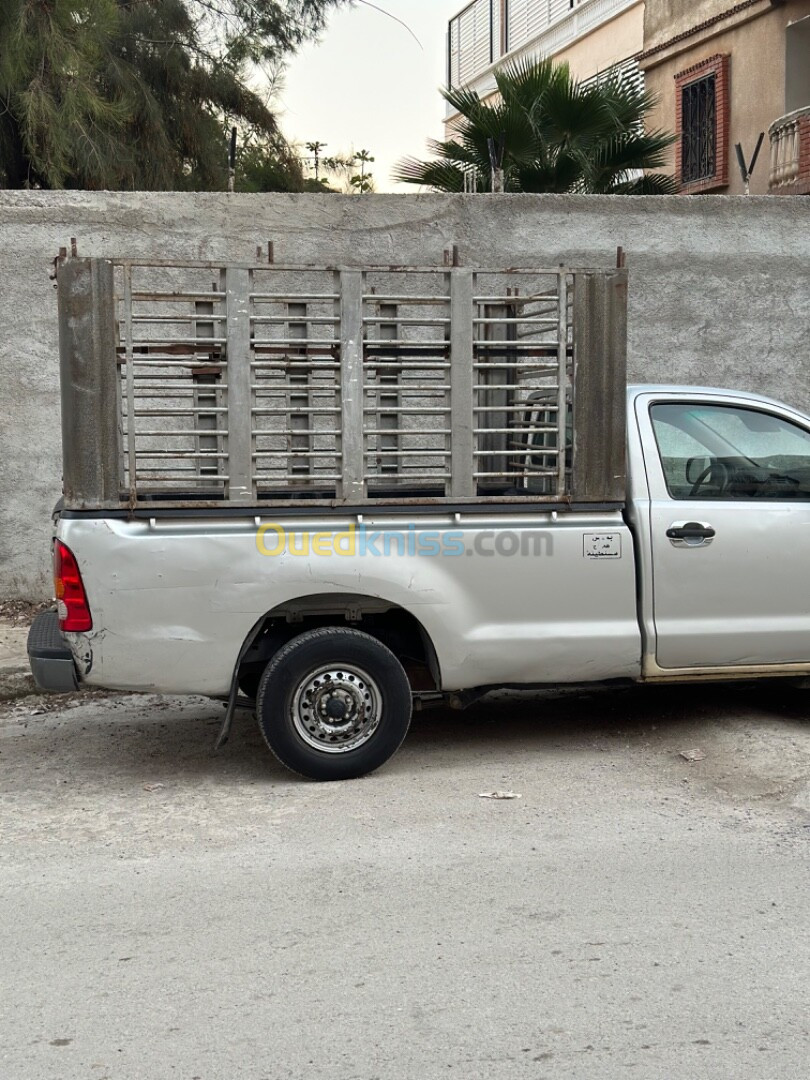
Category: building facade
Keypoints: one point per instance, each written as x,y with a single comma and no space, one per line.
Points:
592,36
724,73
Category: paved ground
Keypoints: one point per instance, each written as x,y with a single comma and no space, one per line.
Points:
166,912
15,675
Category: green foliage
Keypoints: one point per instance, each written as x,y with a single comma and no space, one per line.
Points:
258,31
179,92
555,135
362,182
319,186
136,93
340,171
59,119
269,165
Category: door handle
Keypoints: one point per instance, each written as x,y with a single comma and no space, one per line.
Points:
690,533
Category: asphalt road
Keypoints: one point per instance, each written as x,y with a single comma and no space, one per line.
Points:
168,912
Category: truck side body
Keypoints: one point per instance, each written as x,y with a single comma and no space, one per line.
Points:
506,598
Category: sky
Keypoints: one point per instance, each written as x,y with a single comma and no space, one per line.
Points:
369,85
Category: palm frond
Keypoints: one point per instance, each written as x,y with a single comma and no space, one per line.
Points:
647,184
557,134
464,101
439,175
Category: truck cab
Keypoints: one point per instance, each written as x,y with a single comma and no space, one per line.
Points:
720,508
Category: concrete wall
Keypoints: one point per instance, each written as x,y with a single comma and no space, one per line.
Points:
718,291
665,19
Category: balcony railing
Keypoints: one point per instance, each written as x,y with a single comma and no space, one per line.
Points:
790,153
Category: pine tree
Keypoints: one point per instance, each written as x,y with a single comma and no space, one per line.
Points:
139,93
58,121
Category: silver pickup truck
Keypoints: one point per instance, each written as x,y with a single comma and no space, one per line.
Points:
525,561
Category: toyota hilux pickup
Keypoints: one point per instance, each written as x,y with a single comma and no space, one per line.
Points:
332,495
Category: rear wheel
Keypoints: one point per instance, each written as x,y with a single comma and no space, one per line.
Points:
334,704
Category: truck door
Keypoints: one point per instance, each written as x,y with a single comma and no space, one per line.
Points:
729,483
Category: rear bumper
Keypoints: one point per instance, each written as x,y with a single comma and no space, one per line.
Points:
49,655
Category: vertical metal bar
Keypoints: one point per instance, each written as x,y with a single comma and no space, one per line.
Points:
299,423
91,446
120,391
240,415
495,379
132,459
351,384
562,375
711,164
205,392
390,379
462,459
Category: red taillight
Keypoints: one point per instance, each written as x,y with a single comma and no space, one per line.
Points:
71,599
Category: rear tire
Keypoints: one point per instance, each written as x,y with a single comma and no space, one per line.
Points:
334,704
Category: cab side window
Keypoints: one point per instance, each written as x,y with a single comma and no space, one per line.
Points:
727,452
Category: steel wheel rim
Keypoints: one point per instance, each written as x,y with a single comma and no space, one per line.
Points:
336,708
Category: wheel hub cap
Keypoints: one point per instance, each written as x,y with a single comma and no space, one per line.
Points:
336,709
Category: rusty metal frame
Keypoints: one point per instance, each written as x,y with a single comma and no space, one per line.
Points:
584,350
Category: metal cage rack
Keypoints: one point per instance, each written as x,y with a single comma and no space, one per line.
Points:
196,383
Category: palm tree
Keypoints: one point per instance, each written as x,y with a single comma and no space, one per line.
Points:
546,132
362,182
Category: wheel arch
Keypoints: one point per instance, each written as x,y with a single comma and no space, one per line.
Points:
388,622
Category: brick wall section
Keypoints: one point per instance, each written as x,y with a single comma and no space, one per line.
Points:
719,66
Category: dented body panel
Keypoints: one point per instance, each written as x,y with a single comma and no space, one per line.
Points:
173,600
520,597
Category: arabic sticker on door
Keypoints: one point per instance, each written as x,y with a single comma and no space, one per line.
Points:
602,545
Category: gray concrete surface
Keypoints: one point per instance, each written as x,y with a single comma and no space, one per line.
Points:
15,673
719,290
170,913
12,645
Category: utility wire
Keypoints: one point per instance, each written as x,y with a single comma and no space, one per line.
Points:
366,3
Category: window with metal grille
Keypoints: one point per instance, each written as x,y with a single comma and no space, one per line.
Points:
699,130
